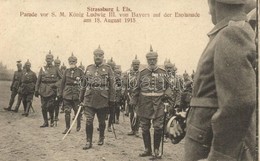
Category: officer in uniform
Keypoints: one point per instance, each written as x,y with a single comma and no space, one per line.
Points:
15,85
111,108
70,90
119,94
27,87
176,86
97,91
130,86
151,86
57,62
220,120
46,87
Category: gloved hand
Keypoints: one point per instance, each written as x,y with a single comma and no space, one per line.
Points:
36,94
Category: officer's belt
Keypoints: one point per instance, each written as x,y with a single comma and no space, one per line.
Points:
152,94
204,102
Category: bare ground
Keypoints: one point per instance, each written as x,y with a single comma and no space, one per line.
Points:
21,139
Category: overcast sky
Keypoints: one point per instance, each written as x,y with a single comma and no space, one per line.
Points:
180,39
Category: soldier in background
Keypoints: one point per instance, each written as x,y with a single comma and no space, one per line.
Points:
97,93
46,87
130,86
152,84
70,90
57,62
111,108
57,101
119,95
62,68
220,122
27,87
176,85
186,93
15,85
82,67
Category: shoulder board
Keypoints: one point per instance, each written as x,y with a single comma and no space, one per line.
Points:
91,65
143,70
161,69
236,23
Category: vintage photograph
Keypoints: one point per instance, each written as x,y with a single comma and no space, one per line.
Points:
168,80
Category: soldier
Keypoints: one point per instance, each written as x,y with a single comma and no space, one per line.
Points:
176,85
57,62
97,93
27,87
15,85
130,86
82,67
220,122
62,68
111,108
70,90
46,87
151,86
119,95
186,93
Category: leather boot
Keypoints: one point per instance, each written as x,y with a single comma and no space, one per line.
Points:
45,118
101,134
78,122
89,133
147,144
67,121
28,105
8,108
157,141
16,109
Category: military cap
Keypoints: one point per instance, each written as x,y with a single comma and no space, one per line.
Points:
233,1
27,63
151,54
72,58
135,61
49,55
18,62
98,51
57,61
111,63
168,64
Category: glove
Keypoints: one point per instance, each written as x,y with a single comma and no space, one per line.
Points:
36,94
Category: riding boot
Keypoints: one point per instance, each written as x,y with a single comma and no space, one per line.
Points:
45,118
89,133
101,134
67,121
51,112
147,144
157,140
79,122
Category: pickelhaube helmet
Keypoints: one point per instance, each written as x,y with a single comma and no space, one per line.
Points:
49,55
72,58
233,1
135,61
98,51
151,54
185,74
57,60
168,64
81,66
111,63
27,63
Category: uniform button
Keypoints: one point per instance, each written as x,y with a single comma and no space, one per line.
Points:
200,137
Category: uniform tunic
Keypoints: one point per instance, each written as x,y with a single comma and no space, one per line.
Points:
224,94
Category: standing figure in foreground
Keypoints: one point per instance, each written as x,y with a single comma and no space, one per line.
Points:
220,121
15,86
97,91
131,84
46,87
27,87
147,96
70,90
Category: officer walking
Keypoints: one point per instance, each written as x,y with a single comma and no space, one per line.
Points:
57,101
27,87
151,86
46,87
97,92
15,85
220,120
70,90
130,86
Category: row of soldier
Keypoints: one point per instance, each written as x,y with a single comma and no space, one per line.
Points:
101,90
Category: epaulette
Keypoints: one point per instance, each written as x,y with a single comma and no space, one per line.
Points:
162,69
143,70
237,23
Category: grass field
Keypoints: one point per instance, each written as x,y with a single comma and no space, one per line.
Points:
21,139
